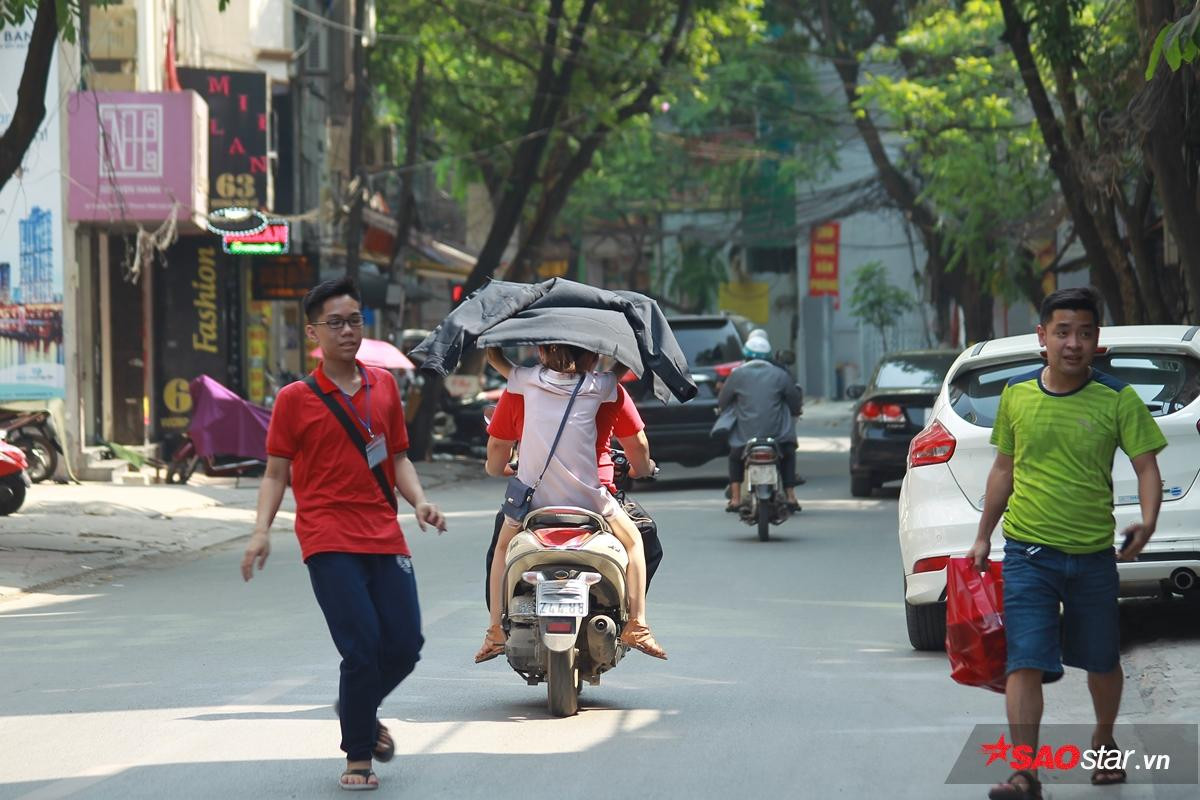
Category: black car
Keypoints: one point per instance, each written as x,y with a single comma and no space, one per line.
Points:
891,410
680,432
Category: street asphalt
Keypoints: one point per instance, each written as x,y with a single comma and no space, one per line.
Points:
790,673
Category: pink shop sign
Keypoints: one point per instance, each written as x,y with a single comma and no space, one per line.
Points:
137,156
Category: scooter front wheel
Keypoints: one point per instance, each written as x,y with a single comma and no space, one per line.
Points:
12,494
562,684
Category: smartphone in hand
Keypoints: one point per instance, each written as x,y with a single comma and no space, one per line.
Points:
1128,541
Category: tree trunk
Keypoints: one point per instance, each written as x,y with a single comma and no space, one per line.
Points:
1144,265
420,432
1106,274
358,124
406,213
943,284
31,94
1166,150
550,95
564,176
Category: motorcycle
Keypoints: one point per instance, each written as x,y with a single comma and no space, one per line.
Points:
564,602
14,477
33,432
765,499
227,436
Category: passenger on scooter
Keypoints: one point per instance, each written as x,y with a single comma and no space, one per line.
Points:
764,401
571,477
619,419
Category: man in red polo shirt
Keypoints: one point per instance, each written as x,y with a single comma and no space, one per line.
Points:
341,434
619,418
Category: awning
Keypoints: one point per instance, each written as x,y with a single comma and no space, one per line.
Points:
434,259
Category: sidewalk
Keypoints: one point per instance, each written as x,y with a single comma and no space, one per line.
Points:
67,531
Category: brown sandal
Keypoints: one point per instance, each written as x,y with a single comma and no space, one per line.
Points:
493,645
639,637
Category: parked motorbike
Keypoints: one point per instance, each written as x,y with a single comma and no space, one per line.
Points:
764,497
227,436
33,432
14,478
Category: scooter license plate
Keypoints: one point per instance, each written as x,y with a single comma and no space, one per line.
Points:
567,598
760,474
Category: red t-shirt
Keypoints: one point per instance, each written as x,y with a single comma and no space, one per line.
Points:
619,418
339,505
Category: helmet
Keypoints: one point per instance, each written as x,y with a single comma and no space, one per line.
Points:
757,347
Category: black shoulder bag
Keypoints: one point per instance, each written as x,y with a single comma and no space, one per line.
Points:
340,413
518,498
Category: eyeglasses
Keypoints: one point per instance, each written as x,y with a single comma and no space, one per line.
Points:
337,323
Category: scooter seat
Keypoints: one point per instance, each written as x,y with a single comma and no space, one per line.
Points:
564,519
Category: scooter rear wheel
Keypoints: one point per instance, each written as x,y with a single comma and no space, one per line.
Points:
562,684
40,454
764,520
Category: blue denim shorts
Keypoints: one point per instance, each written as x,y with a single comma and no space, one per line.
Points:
1060,609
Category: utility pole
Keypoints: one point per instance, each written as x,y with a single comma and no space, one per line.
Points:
354,224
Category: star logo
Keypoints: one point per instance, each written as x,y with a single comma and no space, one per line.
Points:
997,751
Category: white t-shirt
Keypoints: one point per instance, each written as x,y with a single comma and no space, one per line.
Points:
572,478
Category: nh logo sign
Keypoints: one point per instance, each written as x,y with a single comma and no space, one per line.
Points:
131,140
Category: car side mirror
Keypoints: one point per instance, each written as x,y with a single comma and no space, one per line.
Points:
856,391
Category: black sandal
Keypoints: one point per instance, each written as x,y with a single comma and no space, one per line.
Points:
1108,777
1032,790
366,773
384,750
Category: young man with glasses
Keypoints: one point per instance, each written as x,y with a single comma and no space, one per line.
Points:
342,436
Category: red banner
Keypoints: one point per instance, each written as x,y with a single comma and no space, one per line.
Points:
823,259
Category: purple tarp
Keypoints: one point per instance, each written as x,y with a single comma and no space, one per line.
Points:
225,424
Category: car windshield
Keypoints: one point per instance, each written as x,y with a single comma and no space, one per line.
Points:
1165,382
708,345
913,372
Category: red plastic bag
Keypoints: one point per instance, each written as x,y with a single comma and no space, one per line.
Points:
975,624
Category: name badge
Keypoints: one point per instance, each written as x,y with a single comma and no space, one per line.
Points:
376,451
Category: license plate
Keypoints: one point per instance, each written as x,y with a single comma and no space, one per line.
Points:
761,474
567,598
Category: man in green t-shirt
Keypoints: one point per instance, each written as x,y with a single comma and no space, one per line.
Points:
1056,434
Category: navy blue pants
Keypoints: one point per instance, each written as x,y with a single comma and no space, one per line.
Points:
370,605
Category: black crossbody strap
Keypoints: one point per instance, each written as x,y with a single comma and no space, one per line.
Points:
340,413
561,425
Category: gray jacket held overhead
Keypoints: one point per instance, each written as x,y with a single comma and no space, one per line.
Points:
645,329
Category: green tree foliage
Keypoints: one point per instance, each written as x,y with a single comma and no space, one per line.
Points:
877,303
712,144
953,88
1115,146
522,95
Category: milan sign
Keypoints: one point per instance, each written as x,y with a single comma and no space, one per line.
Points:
238,125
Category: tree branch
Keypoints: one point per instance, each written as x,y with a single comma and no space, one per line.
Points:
31,95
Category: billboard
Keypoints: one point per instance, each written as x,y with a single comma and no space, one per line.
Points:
136,155
31,244
239,111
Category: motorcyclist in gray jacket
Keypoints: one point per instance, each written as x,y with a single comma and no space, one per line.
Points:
764,401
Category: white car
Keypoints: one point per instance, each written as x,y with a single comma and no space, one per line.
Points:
941,499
